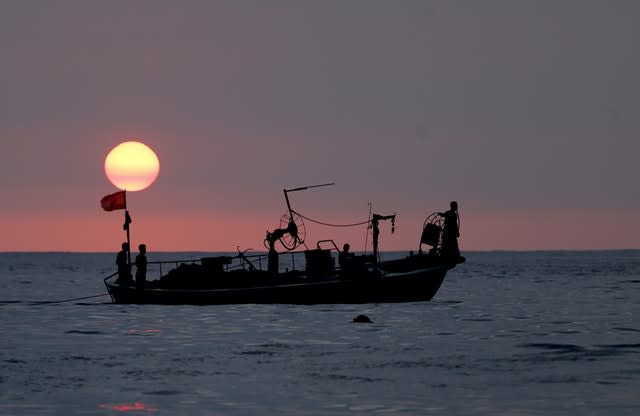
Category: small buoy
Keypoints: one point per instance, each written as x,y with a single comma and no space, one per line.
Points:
362,319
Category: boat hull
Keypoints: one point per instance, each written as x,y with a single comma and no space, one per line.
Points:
411,286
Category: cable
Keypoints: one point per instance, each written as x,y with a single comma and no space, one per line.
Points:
331,225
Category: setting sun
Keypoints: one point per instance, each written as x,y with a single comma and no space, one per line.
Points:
132,166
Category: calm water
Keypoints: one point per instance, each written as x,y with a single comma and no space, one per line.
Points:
544,333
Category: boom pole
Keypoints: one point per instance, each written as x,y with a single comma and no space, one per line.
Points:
302,188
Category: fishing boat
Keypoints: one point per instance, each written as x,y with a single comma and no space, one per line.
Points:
324,274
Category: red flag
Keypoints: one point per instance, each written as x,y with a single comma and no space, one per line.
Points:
113,201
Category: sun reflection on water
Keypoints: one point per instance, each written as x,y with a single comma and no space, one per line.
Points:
131,331
133,407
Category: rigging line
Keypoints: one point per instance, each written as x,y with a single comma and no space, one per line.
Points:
331,225
67,300
366,234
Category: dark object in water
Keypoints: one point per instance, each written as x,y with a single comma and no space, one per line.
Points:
362,319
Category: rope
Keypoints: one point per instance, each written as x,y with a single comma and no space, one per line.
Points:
67,300
331,225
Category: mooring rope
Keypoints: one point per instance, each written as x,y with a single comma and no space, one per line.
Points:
331,225
46,302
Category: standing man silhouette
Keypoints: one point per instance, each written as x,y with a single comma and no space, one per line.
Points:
124,270
141,268
450,233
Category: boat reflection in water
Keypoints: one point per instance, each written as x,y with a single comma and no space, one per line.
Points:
314,277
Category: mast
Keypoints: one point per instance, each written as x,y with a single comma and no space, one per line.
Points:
292,228
376,232
127,221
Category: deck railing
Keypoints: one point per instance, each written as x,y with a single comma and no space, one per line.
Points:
288,261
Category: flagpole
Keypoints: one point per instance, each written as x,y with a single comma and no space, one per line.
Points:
126,224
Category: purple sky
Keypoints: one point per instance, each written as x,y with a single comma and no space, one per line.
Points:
526,112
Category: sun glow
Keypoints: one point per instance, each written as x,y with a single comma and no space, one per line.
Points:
132,166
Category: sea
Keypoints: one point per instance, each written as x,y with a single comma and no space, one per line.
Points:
508,333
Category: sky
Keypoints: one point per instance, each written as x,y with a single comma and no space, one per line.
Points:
525,112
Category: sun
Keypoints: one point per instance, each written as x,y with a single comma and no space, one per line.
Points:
132,166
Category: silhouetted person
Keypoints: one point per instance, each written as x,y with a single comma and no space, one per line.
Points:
345,258
450,233
141,267
124,270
